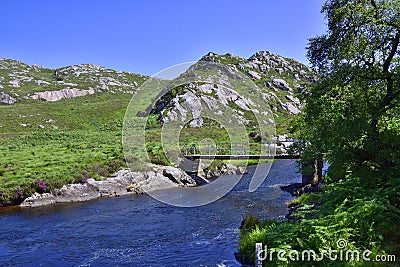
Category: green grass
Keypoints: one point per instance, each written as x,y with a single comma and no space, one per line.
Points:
87,143
89,136
55,157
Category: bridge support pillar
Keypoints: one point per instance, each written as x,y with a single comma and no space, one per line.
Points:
311,172
193,166
199,169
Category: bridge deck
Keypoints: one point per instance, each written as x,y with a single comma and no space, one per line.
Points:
242,157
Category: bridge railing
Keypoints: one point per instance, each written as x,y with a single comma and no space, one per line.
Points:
238,149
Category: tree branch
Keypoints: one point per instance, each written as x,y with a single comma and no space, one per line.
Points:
395,45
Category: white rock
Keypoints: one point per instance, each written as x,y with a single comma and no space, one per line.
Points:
254,75
123,182
52,96
37,200
293,99
282,84
40,82
6,99
291,108
14,83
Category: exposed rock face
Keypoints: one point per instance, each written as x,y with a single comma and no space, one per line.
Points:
124,182
52,96
282,84
254,75
196,99
292,107
226,169
277,78
6,99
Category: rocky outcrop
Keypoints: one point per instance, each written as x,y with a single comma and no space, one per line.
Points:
25,79
226,169
177,176
197,98
37,200
278,79
282,84
76,192
52,96
292,107
124,182
6,99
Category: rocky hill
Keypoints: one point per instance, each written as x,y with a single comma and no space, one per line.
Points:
281,78
20,81
278,79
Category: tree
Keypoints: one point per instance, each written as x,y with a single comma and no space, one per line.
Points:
351,118
352,115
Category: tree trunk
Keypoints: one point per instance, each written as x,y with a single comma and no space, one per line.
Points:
313,176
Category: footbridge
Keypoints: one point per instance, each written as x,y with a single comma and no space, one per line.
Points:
239,151
196,152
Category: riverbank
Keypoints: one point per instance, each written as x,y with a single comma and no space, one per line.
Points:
327,217
122,183
125,182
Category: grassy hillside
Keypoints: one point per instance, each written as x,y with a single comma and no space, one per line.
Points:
44,145
81,138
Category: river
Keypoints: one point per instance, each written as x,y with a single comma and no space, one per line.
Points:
138,230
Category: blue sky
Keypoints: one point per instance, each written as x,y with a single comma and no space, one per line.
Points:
147,36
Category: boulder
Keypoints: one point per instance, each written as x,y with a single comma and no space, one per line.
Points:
37,200
52,96
155,181
178,176
75,193
290,107
242,170
293,99
282,84
228,168
14,83
6,99
213,173
110,187
254,75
